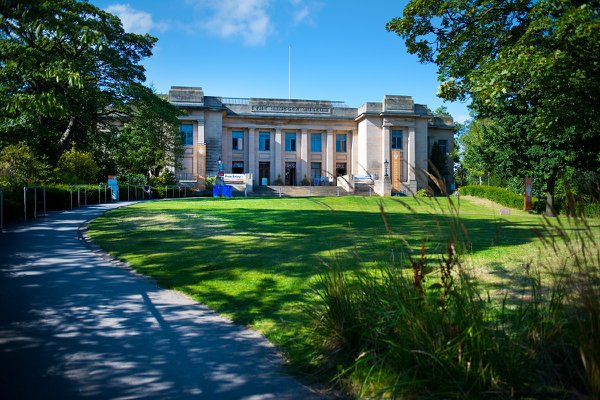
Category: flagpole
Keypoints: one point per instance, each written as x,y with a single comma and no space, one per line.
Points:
290,72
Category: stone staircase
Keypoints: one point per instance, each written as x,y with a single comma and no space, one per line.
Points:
298,191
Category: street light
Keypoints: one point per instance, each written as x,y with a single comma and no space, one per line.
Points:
386,164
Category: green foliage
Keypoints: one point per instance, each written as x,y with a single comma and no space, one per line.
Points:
532,68
278,181
20,166
498,195
305,181
423,193
76,167
166,178
150,140
210,182
132,180
69,71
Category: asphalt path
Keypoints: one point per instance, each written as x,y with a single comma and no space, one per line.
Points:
77,324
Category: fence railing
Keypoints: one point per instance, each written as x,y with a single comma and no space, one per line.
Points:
35,198
26,189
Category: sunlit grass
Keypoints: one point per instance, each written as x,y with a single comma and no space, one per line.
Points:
257,260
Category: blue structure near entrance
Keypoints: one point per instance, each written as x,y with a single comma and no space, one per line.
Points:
222,190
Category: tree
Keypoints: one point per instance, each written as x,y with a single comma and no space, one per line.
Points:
532,67
150,141
67,68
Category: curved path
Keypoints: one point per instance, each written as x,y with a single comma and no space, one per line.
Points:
76,325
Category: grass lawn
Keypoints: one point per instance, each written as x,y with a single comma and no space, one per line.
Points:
256,260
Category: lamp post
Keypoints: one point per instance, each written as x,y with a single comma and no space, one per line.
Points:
386,164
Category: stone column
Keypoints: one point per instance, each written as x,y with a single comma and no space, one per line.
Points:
252,134
412,163
385,147
304,162
277,149
329,171
200,153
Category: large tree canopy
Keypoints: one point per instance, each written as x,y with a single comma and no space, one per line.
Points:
533,67
64,66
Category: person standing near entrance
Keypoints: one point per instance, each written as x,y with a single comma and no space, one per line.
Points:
322,180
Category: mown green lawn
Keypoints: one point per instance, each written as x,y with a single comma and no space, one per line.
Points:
256,260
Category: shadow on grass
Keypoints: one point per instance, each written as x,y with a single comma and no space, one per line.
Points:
258,263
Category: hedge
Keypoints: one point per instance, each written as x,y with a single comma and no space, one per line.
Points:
499,195
507,198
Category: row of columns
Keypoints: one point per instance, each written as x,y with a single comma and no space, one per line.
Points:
278,152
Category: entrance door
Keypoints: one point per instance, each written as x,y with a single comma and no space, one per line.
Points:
396,170
264,173
290,173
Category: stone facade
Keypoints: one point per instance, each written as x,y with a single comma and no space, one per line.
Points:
289,141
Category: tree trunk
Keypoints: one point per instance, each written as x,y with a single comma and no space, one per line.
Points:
550,211
64,140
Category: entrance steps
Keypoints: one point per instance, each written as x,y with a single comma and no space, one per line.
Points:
298,191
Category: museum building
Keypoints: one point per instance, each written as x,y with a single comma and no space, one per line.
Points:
289,142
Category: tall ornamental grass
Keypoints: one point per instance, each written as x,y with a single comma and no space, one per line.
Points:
423,326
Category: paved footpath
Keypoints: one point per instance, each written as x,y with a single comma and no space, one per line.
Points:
74,324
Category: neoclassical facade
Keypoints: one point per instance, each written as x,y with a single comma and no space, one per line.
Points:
281,141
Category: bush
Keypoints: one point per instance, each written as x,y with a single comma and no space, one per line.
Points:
166,178
210,183
76,167
20,166
423,193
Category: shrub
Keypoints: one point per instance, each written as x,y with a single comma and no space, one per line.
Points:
76,167
278,181
423,193
210,182
20,166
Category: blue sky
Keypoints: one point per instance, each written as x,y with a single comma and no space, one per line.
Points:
340,49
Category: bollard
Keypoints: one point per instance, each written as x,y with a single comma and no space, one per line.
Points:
99,198
338,192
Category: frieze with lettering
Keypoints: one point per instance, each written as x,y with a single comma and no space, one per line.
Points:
291,107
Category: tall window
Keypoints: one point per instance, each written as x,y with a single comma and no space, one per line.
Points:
264,141
237,140
397,139
187,134
443,146
340,143
290,141
315,170
315,142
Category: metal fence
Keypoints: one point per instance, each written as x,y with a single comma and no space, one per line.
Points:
26,190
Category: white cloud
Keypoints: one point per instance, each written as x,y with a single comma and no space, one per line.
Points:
304,10
245,19
135,21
